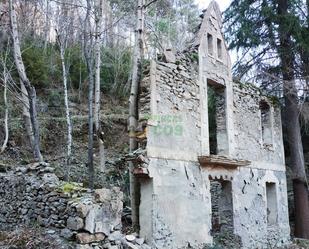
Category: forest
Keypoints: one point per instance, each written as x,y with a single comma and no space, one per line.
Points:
76,79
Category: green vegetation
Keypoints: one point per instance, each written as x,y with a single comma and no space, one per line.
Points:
71,187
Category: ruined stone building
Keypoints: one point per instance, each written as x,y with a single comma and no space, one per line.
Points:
199,182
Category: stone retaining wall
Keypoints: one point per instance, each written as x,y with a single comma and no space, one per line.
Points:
34,195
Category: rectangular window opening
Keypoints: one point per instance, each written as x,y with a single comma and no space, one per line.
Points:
218,137
266,123
210,44
272,209
219,49
221,207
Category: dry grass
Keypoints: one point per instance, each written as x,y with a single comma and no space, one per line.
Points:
30,238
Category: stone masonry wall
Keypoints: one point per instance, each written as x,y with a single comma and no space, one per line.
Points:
34,195
175,113
29,198
248,128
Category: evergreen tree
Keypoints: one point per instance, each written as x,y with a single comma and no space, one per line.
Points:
271,35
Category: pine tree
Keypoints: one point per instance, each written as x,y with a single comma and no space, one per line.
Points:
271,33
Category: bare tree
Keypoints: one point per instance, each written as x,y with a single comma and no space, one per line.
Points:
62,42
133,105
98,41
88,54
24,79
47,24
5,77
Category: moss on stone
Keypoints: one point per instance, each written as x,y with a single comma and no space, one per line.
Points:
71,187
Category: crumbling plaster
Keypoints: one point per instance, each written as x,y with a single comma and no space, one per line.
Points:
175,208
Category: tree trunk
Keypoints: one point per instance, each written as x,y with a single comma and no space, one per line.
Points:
6,115
300,186
133,108
47,26
30,89
88,58
98,129
62,40
26,113
67,112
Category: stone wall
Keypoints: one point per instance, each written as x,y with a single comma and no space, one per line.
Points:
248,127
29,195
174,105
34,195
250,208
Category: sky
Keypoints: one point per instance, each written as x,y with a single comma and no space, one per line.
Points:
222,3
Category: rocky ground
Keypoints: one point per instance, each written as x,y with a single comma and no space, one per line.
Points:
32,238
39,238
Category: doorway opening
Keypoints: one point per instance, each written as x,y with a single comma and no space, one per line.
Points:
221,207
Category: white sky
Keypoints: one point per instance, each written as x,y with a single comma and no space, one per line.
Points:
203,4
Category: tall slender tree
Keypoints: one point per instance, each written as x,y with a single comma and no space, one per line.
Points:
62,43
266,31
5,79
133,104
138,57
31,93
97,106
88,54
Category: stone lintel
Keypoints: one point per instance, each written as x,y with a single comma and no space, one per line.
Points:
222,161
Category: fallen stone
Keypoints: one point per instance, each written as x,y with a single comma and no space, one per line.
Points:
144,246
18,169
50,232
132,246
83,247
103,218
130,237
82,209
98,220
75,223
140,241
103,195
115,236
86,238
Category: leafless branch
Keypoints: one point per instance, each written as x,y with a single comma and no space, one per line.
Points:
150,3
